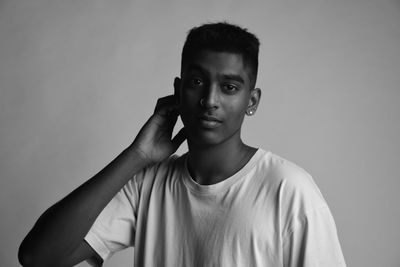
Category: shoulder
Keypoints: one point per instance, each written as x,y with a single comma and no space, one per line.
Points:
163,171
291,178
295,188
300,199
282,168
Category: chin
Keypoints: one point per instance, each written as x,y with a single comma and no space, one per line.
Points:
210,139
205,140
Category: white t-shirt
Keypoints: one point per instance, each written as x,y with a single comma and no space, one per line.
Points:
270,213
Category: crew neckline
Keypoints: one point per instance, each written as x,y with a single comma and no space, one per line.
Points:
195,187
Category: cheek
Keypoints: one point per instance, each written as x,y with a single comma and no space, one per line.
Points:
190,100
236,115
237,108
187,113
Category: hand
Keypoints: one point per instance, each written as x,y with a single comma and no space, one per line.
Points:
154,141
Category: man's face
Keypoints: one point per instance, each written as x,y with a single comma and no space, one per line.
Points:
214,95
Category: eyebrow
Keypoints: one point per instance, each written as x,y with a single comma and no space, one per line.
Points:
234,77
195,67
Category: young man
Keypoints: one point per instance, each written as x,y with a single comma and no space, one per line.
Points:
221,204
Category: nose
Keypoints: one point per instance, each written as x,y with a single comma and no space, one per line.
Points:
211,97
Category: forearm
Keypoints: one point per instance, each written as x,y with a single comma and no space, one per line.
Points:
64,225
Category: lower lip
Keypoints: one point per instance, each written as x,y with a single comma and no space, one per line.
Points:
209,124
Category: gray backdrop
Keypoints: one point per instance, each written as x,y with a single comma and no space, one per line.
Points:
79,78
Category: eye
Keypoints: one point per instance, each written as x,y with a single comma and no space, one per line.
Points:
230,87
196,82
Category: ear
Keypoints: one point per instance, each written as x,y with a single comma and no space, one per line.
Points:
177,87
255,96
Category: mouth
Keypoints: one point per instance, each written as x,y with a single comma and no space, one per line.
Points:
209,122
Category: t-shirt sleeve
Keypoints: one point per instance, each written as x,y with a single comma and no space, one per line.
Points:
114,228
309,236
313,241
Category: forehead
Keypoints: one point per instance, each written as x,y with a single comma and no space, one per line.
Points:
212,62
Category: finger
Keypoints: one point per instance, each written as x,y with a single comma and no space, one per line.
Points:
165,104
179,138
165,100
170,119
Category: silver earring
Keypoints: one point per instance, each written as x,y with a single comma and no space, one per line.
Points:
202,102
250,112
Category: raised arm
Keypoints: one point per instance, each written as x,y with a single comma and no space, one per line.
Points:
57,238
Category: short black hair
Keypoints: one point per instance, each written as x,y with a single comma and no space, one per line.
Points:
223,37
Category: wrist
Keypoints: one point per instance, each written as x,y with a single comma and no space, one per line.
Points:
137,155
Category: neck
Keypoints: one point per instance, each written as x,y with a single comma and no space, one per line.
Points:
214,163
